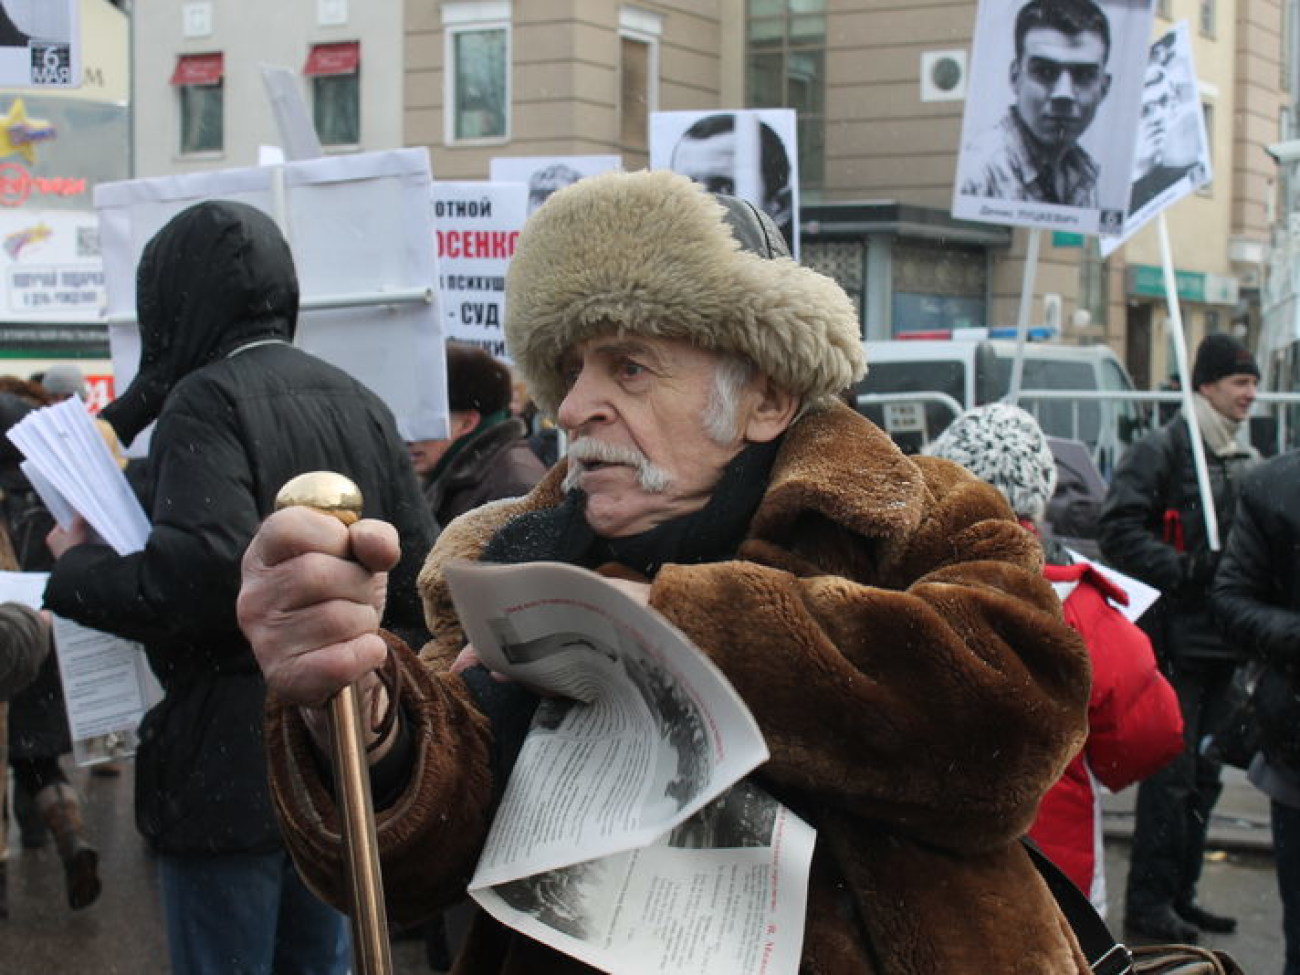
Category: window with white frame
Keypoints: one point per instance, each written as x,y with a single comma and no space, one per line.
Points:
477,75
639,33
198,80
335,73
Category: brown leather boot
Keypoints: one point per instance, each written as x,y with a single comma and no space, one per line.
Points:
61,810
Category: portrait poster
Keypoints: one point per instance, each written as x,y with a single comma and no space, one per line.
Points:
752,154
40,44
1051,113
1172,156
476,226
543,175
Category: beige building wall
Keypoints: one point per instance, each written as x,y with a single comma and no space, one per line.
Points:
565,76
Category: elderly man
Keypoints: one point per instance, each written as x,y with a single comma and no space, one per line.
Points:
883,617
1059,80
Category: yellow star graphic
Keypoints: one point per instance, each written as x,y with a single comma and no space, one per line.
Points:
19,134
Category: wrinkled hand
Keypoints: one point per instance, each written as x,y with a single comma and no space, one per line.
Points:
311,601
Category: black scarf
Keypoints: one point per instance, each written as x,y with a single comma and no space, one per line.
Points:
712,534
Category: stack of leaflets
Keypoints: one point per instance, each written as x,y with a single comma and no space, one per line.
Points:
73,470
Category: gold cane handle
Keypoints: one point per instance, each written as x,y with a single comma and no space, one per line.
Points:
334,494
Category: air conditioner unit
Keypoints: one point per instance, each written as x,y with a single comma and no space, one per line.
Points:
943,76
1052,312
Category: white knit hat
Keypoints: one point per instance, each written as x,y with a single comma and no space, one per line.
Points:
1003,445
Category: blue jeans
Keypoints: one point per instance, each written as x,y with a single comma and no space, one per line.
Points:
1286,854
248,914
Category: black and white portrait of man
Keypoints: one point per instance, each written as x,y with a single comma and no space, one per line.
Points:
750,154
1049,80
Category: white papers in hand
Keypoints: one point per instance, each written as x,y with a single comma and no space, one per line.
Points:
72,461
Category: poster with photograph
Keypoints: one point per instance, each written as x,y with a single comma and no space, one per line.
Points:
476,226
543,175
1172,157
1051,113
40,44
752,154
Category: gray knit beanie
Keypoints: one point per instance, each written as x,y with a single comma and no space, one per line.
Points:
1003,445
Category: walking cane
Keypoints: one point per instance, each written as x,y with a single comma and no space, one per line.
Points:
333,494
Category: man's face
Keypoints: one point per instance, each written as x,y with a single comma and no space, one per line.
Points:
710,162
1059,81
425,454
1232,395
1157,102
634,414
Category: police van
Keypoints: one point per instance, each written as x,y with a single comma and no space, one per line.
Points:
913,387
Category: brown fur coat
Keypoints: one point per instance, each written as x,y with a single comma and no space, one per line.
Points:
887,624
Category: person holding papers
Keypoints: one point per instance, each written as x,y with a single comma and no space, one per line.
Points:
45,802
239,412
883,617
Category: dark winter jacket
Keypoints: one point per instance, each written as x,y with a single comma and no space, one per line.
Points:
1153,529
886,622
242,412
1257,596
496,462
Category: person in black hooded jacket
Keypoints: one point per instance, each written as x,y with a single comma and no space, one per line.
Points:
239,412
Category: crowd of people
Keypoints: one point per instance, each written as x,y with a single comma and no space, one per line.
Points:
936,676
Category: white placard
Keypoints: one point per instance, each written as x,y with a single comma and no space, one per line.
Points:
476,227
543,175
360,228
40,43
1172,156
752,154
1051,114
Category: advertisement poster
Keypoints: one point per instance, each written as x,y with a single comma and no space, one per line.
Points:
52,271
752,154
40,44
543,175
1173,149
476,226
1051,114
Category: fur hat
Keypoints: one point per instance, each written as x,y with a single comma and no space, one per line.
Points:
652,253
1003,445
1220,355
475,380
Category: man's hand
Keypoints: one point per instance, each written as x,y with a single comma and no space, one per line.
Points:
311,601
79,533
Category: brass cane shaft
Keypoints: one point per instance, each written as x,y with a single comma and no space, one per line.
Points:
335,495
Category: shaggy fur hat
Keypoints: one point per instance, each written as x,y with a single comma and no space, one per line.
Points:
653,254
1220,355
1003,445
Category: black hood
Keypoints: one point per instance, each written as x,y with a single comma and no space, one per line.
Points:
219,275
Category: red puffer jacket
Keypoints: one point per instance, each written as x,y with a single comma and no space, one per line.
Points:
1135,727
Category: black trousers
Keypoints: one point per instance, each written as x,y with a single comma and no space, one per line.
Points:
1174,805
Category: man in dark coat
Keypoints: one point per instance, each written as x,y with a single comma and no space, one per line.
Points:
239,412
1153,528
1257,596
883,617
487,456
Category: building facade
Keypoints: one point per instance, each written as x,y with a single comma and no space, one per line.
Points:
879,88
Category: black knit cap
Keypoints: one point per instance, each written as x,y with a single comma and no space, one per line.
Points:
1219,355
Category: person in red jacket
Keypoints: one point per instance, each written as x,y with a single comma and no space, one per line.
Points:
1135,726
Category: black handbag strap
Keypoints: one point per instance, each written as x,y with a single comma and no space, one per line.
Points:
1105,955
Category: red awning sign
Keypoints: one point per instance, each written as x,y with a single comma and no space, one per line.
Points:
326,59
198,69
